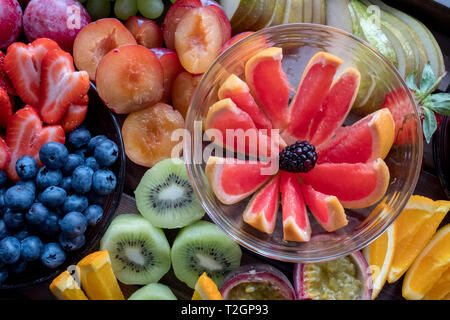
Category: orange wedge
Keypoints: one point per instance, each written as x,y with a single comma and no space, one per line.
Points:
97,277
441,288
416,225
64,287
379,255
206,289
429,266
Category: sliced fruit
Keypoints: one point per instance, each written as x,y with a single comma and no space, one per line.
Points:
238,91
235,39
5,82
356,185
327,210
338,15
278,14
183,89
75,115
206,289
171,68
64,287
336,106
5,154
379,255
237,11
261,211
153,291
204,247
441,289
233,180
416,224
366,140
307,11
96,40
146,32
266,16
251,18
269,84
296,225
60,85
6,109
311,92
429,266
319,11
165,196
139,252
23,66
147,134
97,277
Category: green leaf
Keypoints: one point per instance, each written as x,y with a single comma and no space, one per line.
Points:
428,78
429,124
439,102
411,81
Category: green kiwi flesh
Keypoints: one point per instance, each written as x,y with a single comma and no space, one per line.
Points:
204,247
153,291
140,252
165,196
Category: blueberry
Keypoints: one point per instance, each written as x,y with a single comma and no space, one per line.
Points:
81,152
30,184
53,197
30,248
104,182
48,177
22,234
54,155
9,250
19,197
79,137
53,255
37,214
26,167
51,225
3,275
19,266
3,229
14,220
95,141
3,178
94,214
106,153
71,243
66,183
82,179
73,161
2,205
73,224
91,162
75,202
96,198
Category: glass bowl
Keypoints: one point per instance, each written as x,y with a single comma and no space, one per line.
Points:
99,120
299,43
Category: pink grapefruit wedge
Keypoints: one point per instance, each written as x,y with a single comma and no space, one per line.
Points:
356,185
327,210
261,211
233,180
296,225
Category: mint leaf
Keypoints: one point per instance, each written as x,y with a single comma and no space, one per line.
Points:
428,78
429,124
411,81
439,103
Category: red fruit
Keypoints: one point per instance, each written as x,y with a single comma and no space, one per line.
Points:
5,82
235,39
5,155
171,68
10,22
60,85
23,64
52,133
146,32
75,114
183,89
5,108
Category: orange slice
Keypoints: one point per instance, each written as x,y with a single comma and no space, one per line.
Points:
429,266
379,255
206,289
441,289
97,277
64,287
416,224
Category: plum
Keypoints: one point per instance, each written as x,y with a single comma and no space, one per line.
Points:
10,22
59,20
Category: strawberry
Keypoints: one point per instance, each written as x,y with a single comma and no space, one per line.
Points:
75,114
5,82
23,66
5,155
25,135
5,108
60,85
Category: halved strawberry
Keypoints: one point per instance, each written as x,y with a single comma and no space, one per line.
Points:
23,67
60,85
51,133
5,82
5,108
5,155
75,114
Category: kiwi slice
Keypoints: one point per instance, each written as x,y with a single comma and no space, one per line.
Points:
204,247
140,252
153,291
165,196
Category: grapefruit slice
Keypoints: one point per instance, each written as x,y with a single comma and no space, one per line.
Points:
269,84
232,128
233,180
311,92
327,210
238,91
296,225
261,211
366,140
356,185
336,106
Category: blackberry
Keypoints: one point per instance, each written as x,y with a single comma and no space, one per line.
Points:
298,157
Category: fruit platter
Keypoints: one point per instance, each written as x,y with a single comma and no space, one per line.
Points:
224,150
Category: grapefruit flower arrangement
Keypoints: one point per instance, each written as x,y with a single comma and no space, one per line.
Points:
323,165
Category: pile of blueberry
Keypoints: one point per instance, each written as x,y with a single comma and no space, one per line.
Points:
46,213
